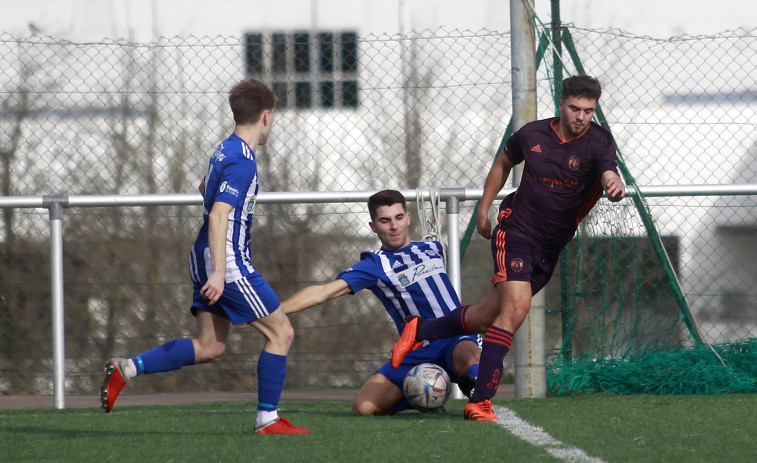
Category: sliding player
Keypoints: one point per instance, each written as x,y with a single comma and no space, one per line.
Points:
409,278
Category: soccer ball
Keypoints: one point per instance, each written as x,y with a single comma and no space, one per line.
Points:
426,386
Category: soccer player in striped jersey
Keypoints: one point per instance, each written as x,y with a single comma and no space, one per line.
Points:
409,278
569,162
227,287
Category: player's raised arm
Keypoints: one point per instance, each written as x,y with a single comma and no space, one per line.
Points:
314,295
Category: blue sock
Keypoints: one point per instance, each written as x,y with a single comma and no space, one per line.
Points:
170,356
272,371
400,406
496,345
473,371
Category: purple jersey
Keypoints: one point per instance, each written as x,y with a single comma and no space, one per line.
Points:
561,181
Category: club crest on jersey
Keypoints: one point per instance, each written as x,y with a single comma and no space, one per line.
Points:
574,163
516,264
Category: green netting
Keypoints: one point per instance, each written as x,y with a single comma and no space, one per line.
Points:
693,370
624,329
627,327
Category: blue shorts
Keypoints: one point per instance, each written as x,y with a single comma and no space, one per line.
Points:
516,259
242,301
438,351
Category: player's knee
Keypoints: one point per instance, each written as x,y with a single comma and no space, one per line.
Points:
465,355
364,408
518,314
287,334
283,335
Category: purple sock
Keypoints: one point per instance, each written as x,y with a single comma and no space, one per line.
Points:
496,345
448,326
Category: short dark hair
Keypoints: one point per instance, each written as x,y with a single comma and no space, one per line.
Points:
583,85
248,99
385,198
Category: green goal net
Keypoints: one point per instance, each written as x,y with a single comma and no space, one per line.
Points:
626,325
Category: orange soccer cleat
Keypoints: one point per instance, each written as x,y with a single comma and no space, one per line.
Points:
407,342
479,411
280,426
113,383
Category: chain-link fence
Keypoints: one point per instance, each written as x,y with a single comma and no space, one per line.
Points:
425,109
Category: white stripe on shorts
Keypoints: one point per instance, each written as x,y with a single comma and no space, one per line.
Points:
246,290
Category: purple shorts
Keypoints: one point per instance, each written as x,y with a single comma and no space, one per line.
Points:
516,259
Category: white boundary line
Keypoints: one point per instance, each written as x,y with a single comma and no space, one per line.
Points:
537,437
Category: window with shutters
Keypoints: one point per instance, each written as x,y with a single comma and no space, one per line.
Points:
306,70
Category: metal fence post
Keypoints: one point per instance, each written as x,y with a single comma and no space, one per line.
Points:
528,343
55,205
453,243
453,254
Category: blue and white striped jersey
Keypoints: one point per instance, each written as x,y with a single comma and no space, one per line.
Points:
409,281
232,178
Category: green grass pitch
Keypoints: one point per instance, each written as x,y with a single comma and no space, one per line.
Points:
604,427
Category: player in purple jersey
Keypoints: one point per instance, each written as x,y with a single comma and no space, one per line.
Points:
569,163
409,278
227,288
